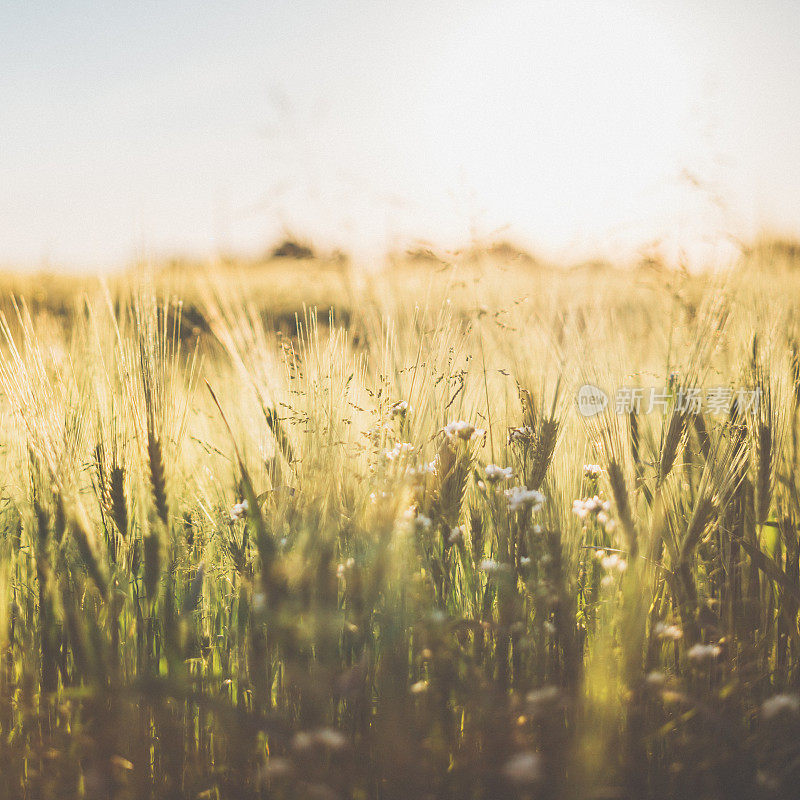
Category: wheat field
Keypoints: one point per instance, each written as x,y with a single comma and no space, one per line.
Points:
303,532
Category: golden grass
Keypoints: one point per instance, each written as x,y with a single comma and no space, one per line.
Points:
244,554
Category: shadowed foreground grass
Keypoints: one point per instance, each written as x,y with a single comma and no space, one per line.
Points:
376,552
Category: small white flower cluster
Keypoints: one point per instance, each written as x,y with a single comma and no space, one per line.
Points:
592,471
418,522
400,450
376,433
239,510
456,535
341,569
492,567
495,474
525,434
399,409
520,498
544,699
671,633
591,505
276,768
466,431
704,653
594,507
420,473
523,769
655,679
780,705
326,738
611,562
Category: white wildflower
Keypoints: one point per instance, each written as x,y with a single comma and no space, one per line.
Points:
613,561
523,769
459,429
375,434
277,767
399,409
399,450
548,696
456,535
579,509
670,632
591,505
655,679
519,497
495,474
491,567
592,471
330,738
779,705
239,510
523,434
594,507
609,562
418,522
420,473
704,653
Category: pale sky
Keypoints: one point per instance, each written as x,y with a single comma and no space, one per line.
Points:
576,128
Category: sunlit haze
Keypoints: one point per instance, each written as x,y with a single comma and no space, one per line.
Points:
575,128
